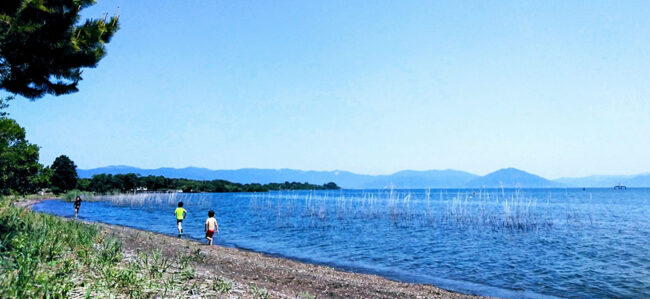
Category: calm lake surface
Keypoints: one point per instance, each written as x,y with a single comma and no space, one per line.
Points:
506,243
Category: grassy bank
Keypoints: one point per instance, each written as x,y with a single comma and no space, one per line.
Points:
41,255
46,256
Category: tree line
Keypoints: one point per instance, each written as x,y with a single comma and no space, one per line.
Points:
131,182
21,173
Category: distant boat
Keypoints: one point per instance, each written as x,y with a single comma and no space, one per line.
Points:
620,187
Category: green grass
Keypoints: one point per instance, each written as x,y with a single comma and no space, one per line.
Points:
221,286
154,264
258,293
27,197
40,255
43,256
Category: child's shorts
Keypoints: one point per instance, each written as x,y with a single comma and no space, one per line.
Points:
209,233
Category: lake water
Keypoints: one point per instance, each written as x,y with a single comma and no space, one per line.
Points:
506,243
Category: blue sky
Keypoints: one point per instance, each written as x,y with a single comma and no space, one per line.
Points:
556,88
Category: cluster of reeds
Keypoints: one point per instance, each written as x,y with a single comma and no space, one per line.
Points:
139,199
153,199
491,209
72,195
509,211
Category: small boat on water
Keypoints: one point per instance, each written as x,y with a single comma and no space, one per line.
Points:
620,187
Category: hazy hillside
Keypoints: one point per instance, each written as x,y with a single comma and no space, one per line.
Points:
403,179
407,179
411,179
511,178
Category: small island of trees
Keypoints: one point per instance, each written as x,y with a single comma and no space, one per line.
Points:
131,182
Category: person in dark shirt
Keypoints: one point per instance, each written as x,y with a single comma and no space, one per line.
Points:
77,205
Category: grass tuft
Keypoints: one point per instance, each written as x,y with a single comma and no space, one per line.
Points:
221,286
259,293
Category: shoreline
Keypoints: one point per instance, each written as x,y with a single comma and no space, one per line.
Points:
281,276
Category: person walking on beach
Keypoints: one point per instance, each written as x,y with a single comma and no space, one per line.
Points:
180,215
77,205
211,226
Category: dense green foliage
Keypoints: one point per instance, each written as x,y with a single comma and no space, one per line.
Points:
106,183
20,171
19,167
64,176
43,47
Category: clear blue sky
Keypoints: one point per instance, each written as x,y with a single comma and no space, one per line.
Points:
557,88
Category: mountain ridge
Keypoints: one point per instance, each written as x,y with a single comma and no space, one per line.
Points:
404,179
512,178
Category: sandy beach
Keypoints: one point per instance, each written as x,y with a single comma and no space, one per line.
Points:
252,273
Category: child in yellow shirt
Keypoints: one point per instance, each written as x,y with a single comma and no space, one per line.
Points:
180,215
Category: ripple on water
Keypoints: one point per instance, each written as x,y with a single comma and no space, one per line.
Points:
597,245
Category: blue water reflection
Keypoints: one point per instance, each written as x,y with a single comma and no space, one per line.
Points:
507,243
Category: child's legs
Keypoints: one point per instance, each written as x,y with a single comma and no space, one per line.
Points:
208,235
180,226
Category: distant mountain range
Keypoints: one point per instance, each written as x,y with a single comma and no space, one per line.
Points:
407,179
512,177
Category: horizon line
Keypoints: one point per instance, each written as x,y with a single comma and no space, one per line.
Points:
358,173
